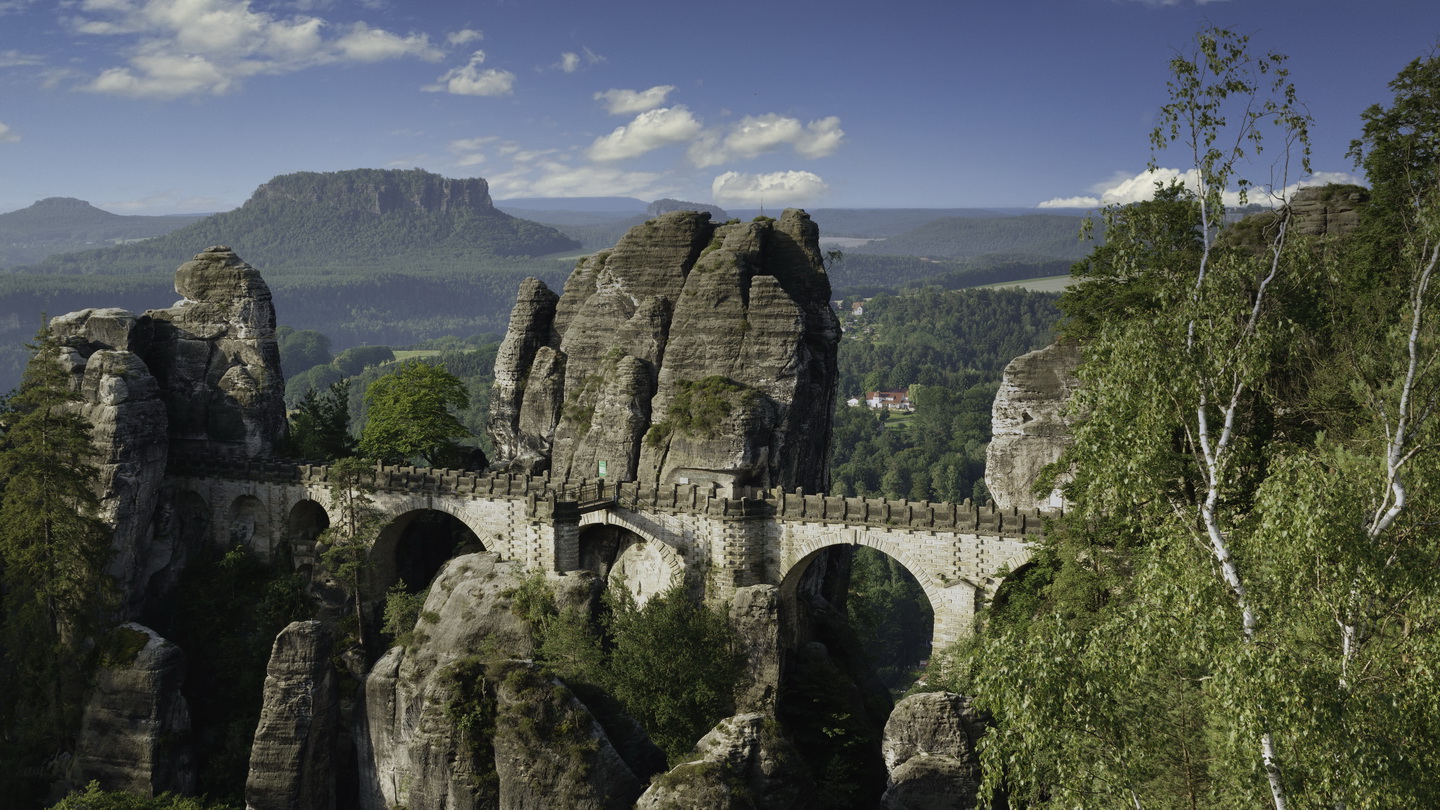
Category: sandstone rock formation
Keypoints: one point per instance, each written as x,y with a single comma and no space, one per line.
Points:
929,750
1332,210
129,428
1031,426
202,376
292,758
132,733
455,721
689,351
743,764
755,615
216,358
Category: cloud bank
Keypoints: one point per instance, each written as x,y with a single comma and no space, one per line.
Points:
1141,187
470,80
774,188
200,47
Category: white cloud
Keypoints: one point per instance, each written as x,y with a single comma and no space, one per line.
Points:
626,102
6,136
14,58
1125,190
187,47
756,135
649,131
365,44
571,61
775,188
464,36
470,80
559,179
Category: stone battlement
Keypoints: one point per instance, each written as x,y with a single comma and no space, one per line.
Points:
695,498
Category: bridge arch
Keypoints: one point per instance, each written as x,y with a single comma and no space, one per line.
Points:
304,522
953,600
247,524
415,544
649,564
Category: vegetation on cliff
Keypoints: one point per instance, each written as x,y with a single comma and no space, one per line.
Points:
1241,608
53,552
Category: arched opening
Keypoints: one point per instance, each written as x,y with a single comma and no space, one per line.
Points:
248,526
617,554
856,628
307,519
415,545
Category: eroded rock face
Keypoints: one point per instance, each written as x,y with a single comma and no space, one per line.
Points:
292,758
135,721
548,749
413,754
755,615
929,750
729,323
743,763
456,721
121,401
1332,210
1030,425
215,356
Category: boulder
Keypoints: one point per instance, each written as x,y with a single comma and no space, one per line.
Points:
929,750
135,723
743,763
292,760
1031,426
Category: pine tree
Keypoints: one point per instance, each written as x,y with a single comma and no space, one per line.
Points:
53,546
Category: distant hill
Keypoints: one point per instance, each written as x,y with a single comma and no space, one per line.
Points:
364,256
63,224
959,237
310,219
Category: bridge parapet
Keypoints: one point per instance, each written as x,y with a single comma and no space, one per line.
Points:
966,517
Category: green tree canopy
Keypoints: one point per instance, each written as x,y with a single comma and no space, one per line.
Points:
53,546
411,415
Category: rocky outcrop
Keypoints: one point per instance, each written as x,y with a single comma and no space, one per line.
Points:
135,722
929,750
755,615
1332,210
1031,426
456,721
548,749
689,351
202,376
292,758
120,399
741,764
217,360
412,752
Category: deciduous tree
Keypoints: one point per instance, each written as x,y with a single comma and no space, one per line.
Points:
411,415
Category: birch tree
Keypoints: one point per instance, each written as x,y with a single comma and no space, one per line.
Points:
1241,608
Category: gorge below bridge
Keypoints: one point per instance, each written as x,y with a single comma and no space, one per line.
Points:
708,539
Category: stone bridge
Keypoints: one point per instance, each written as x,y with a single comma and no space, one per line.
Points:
709,539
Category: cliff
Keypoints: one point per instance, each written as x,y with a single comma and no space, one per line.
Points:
688,351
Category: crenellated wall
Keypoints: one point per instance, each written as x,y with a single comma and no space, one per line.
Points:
709,539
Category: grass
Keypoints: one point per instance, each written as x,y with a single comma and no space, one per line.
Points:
1046,284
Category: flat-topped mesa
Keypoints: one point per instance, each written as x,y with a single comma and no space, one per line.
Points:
689,351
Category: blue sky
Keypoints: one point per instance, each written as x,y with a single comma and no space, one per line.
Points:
165,106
